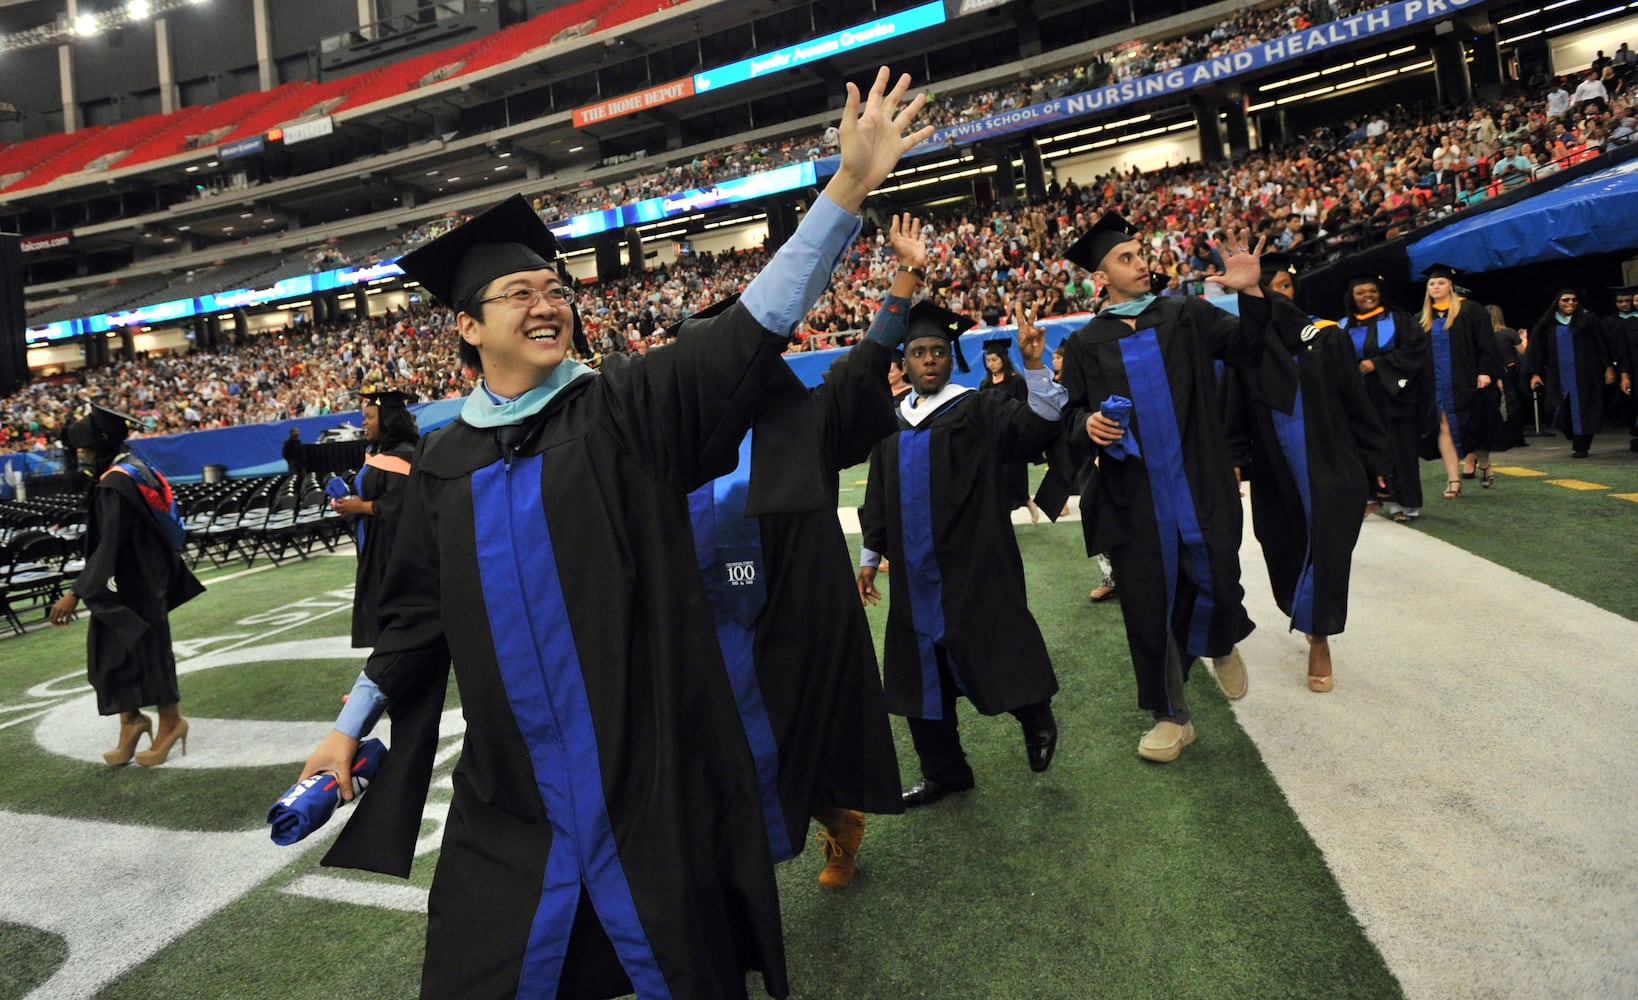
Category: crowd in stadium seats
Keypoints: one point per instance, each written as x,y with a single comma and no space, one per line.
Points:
1124,62
298,372
1322,195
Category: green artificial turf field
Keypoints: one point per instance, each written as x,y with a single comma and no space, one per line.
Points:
1104,877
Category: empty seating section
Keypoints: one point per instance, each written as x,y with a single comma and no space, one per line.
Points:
628,10
259,515
227,114
288,108
44,159
110,298
400,78
531,34
21,157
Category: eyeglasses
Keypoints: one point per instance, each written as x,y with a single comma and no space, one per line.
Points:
1568,298
526,298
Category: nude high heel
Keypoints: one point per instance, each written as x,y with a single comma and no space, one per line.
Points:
130,733
1319,655
161,749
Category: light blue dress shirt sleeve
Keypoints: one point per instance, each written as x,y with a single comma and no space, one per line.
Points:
363,709
1046,397
794,279
869,558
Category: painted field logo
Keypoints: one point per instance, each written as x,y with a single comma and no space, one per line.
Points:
741,574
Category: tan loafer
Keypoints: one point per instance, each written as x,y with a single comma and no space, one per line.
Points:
1230,673
1164,743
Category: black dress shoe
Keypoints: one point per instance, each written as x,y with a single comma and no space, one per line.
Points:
1578,454
927,791
1041,744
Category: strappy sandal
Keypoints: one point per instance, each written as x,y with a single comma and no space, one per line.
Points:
1487,478
1453,489
1400,517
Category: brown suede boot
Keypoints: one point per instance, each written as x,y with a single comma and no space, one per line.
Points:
841,837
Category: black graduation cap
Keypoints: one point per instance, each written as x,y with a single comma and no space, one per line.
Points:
928,319
1440,271
386,398
502,240
998,345
717,308
1624,290
1274,263
1094,245
112,424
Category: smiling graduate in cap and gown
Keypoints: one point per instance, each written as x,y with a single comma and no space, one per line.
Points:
1162,500
605,835
959,620
1397,365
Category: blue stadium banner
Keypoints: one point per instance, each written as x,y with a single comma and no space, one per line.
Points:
823,47
759,185
244,147
60,330
1345,31
162,312
239,298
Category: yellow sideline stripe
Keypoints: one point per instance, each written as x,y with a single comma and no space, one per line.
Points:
1576,484
1626,496
1517,470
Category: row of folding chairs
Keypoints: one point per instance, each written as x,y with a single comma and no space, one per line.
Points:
273,516
36,568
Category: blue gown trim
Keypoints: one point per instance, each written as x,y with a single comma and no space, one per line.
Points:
1158,435
1291,430
925,582
358,525
1568,377
1443,381
541,670
723,535
1384,335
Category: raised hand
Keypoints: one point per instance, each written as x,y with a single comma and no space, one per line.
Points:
1031,338
1242,267
904,236
873,138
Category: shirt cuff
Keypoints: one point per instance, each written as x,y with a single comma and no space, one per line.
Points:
362,710
1046,397
797,275
869,558
891,322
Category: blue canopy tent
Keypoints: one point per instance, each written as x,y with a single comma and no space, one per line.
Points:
1595,214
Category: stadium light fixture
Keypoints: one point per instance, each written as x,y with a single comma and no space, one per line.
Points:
85,25
137,10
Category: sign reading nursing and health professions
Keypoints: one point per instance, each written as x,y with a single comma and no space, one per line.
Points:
642,100
835,43
50,241
244,147
1354,28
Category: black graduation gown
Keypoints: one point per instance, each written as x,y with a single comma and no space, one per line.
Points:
1578,401
375,533
605,791
794,636
958,578
1181,585
1401,389
1014,476
131,581
1461,351
1309,470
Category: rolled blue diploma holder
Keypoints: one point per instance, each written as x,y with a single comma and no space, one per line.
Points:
307,804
